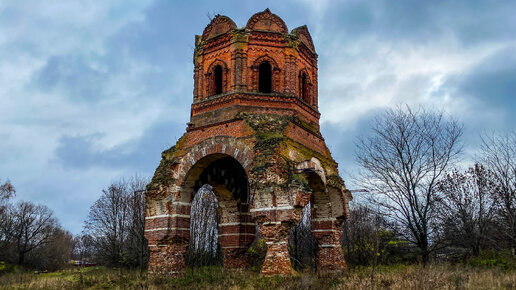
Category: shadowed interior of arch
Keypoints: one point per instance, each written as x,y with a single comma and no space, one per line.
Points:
228,172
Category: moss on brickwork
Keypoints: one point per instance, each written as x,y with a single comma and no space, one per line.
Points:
310,126
306,154
272,148
270,134
177,150
335,180
300,180
162,175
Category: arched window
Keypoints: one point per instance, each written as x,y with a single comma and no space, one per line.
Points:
265,77
304,84
217,79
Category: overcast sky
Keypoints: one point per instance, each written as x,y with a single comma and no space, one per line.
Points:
91,91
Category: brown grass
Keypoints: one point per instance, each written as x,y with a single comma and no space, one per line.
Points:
393,277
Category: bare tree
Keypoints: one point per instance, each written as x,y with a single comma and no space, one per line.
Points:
402,161
302,244
54,254
33,227
498,153
466,208
137,242
7,191
115,224
107,223
204,247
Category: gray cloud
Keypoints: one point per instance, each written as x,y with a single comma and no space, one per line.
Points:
139,155
493,80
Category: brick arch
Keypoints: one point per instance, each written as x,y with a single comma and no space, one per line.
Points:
315,164
216,62
326,221
210,77
217,146
275,72
236,225
268,58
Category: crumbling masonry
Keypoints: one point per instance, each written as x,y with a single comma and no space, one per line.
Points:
254,136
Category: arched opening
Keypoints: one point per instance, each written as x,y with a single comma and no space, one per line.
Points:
303,246
217,79
220,182
265,77
304,91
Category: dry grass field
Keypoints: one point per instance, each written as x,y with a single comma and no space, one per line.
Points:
392,277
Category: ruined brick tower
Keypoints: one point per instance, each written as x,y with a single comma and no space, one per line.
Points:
254,136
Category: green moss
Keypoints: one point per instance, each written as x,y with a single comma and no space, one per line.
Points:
310,126
306,153
162,175
269,136
334,180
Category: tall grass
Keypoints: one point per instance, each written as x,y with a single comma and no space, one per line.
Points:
393,277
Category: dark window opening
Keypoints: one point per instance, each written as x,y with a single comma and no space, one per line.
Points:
304,88
218,79
265,78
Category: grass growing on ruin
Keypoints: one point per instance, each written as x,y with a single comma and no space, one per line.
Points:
392,277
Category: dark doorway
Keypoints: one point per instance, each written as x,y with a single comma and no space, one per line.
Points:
218,79
265,78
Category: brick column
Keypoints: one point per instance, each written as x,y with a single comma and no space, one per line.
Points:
168,235
327,232
277,259
235,236
239,65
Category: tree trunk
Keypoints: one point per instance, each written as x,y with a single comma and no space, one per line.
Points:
21,258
